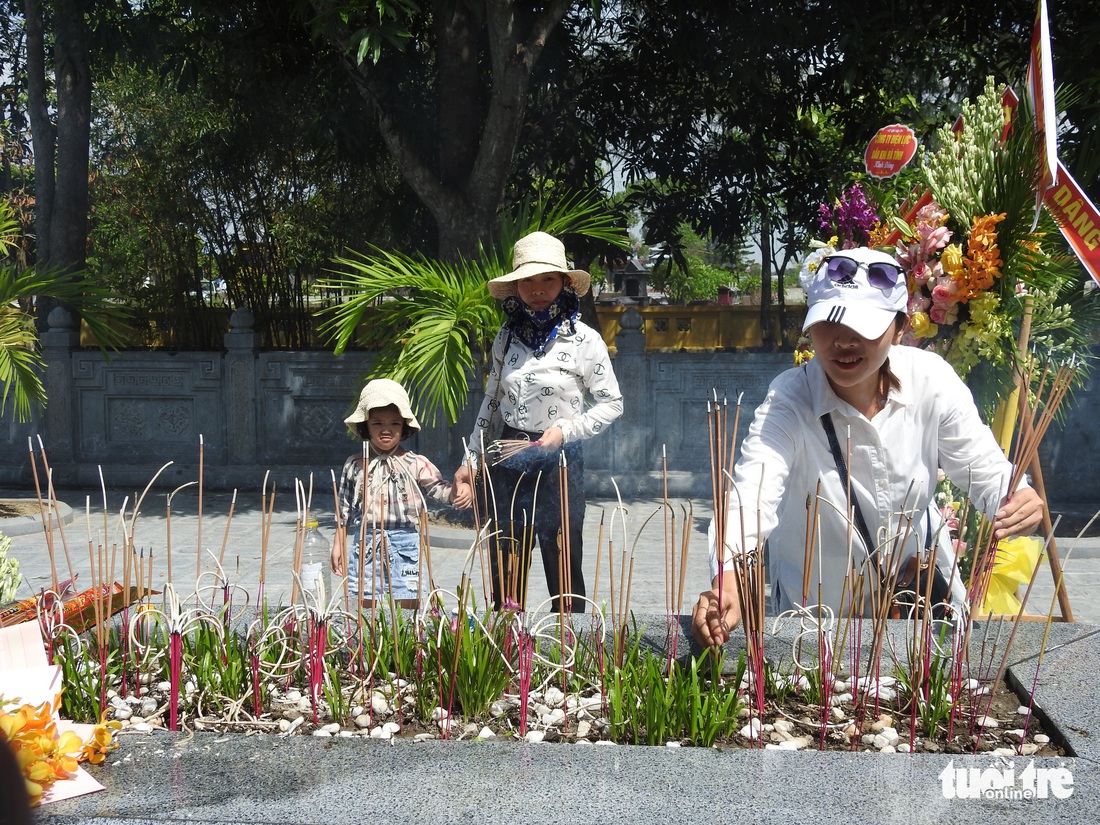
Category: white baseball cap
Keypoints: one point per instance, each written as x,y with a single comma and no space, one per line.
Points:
862,288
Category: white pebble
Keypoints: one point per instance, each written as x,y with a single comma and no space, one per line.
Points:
1029,749
534,736
904,747
379,705
346,734
141,727
293,696
439,713
486,733
840,699
1041,739
888,749
423,737
583,728
988,722
380,733
554,718
752,729
284,725
362,721
838,714
672,744
783,726
786,745
332,727
321,732
1016,734
498,709
1023,710
122,714
164,687
148,706
553,697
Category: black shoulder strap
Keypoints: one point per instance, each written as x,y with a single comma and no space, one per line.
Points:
842,468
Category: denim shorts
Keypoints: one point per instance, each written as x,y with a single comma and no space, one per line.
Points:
398,553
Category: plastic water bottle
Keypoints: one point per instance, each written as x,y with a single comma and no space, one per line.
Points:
314,558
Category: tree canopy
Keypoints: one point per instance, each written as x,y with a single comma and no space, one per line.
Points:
258,140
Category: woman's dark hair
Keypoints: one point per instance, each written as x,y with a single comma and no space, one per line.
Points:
15,809
886,378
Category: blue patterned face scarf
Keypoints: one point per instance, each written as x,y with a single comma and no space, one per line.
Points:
538,329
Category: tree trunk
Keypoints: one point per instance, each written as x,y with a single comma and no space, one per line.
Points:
43,134
61,152
463,181
69,227
767,340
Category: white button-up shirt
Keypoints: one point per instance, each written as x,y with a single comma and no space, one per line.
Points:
535,394
931,422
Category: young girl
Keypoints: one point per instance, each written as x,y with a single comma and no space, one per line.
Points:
384,516
546,364
893,415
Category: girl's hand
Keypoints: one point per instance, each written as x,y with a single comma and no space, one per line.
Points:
463,498
336,558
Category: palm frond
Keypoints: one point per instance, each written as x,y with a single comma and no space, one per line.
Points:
20,363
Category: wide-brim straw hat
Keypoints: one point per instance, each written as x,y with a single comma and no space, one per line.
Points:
383,392
535,254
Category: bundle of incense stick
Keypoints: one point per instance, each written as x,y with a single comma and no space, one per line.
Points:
504,448
1035,418
722,445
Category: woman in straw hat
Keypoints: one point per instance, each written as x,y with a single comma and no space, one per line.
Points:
382,514
545,362
864,417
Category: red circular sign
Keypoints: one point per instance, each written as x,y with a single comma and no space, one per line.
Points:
889,150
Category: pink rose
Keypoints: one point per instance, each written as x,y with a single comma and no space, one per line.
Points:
921,272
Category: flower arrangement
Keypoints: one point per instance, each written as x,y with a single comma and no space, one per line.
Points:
989,282
43,754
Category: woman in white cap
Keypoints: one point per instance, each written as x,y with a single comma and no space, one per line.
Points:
383,515
881,417
545,362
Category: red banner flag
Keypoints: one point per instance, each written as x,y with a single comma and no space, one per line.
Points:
1078,219
1040,87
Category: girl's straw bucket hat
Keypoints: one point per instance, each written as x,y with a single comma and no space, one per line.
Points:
383,392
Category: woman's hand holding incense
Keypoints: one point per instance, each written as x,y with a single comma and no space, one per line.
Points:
1019,515
551,440
710,625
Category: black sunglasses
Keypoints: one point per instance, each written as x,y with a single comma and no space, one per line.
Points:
880,275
